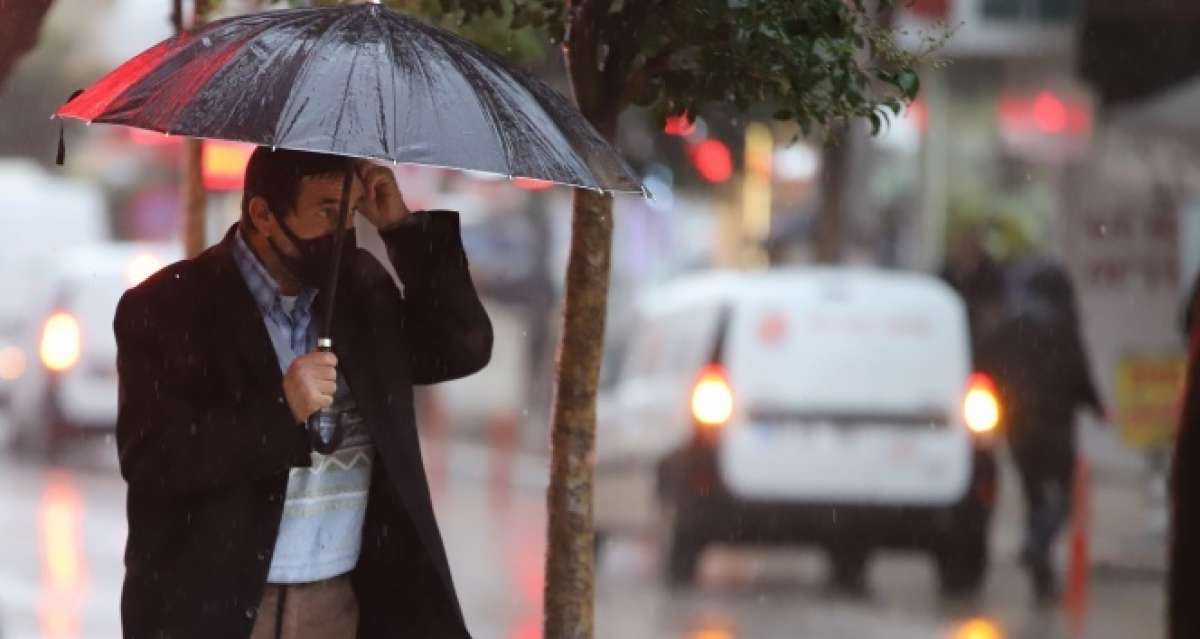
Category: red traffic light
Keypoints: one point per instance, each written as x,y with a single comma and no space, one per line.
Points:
712,160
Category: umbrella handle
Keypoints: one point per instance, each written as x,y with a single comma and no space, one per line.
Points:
325,344
315,439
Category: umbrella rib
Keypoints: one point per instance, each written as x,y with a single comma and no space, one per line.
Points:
156,95
420,65
337,125
385,31
482,97
349,78
229,112
301,75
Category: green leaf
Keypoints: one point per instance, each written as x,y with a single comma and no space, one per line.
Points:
521,17
909,83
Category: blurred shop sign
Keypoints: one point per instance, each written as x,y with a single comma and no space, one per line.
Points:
1120,238
1146,397
224,164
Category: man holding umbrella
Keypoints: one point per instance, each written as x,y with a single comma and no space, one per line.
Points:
241,519
237,526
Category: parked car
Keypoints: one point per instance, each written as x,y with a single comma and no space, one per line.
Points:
70,387
828,407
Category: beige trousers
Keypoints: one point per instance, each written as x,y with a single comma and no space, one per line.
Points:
321,610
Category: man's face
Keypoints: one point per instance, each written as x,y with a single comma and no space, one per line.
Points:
317,206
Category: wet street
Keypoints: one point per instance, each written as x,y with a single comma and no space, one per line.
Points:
60,568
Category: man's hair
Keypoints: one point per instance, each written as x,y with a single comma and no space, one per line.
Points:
275,175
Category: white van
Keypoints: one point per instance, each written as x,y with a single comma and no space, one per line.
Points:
70,385
42,215
830,407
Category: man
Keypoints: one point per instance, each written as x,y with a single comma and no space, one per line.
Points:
1037,356
237,528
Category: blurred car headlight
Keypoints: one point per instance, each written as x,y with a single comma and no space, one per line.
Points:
981,406
141,267
712,398
60,345
12,363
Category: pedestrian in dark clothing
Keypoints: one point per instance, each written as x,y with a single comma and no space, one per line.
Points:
237,528
1037,358
978,279
1183,582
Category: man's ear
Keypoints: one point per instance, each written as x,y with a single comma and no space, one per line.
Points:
260,216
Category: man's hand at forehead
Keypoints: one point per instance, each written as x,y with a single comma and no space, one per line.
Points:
382,203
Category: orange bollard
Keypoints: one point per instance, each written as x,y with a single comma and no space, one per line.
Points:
1075,599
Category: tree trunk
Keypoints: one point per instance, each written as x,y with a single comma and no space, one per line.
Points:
569,561
831,218
569,591
195,200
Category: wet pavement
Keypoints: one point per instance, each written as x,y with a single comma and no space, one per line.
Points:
60,568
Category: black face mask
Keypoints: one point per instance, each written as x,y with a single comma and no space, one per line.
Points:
315,262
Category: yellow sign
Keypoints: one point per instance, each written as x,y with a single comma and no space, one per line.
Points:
1148,390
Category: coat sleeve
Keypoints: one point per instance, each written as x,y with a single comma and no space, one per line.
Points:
180,434
1086,391
448,329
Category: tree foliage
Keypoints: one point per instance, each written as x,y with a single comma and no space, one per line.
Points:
813,61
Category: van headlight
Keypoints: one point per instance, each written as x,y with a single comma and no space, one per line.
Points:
60,347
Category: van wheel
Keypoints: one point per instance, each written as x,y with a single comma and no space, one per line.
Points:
848,569
962,560
679,550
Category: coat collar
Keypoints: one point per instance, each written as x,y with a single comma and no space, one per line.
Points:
238,318
242,322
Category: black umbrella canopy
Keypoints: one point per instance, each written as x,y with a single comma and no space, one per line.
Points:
362,81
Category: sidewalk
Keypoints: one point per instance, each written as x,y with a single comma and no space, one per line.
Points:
1129,515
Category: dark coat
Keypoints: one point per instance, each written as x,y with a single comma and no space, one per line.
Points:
980,286
206,438
1038,359
1183,583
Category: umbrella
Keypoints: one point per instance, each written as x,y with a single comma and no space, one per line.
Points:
360,81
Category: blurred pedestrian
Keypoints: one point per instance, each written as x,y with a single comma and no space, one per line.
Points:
237,526
977,277
1037,357
1183,583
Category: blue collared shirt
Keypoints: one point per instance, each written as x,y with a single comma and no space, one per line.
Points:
292,331
320,535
